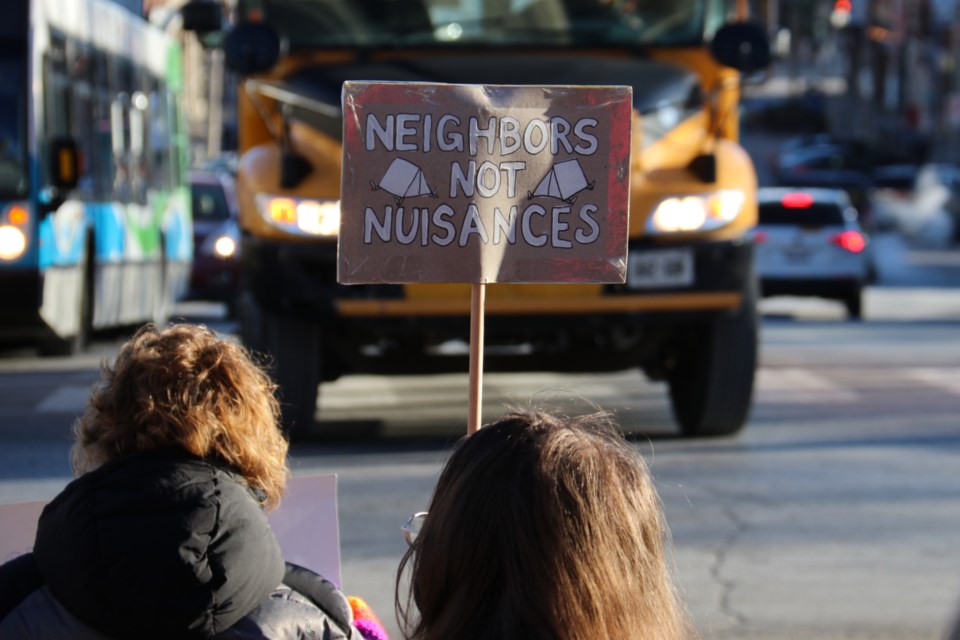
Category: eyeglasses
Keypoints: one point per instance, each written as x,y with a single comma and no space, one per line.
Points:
411,528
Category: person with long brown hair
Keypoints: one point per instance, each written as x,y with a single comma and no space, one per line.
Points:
163,534
541,527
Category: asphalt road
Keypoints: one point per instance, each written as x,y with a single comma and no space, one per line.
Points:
834,514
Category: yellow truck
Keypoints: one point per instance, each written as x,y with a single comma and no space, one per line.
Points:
687,311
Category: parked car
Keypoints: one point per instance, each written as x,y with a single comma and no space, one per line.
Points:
891,194
919,201
216,237
810,243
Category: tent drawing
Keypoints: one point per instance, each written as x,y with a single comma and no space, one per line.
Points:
564,181
403,179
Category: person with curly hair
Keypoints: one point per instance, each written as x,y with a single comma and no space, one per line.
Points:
541,527
163,533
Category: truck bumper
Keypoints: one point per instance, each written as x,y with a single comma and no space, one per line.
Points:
378,328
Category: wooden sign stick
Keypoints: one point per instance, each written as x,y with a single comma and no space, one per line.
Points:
477,302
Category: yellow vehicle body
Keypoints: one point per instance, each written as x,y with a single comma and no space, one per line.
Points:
699,334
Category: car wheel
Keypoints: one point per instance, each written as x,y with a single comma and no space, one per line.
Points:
711,386
854,304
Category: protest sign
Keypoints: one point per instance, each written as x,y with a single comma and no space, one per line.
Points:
483,184
306,525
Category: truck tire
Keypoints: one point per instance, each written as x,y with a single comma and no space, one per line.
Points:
293,347
711,386
250,320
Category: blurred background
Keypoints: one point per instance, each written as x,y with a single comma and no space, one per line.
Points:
832,515
862,94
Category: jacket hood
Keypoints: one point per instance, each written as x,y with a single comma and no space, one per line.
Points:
158,545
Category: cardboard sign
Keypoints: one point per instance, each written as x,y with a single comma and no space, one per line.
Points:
18,527
305,524
482,183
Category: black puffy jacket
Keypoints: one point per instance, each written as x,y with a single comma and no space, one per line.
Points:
162,545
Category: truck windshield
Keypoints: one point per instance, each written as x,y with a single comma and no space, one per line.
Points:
506,23
13,123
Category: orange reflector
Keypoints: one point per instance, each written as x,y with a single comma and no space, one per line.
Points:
283,210
18,215
66,160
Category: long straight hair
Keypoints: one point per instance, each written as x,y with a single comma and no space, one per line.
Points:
542,527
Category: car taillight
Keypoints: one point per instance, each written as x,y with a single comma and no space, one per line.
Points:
797,200
851,241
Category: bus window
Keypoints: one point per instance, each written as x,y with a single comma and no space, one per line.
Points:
81,108
103,165
159,139
13,118
119,135
138,155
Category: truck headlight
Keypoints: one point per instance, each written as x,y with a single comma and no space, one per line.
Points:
303,216
701,212
12,243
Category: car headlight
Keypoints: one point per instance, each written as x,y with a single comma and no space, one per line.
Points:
701,212
303,216
223,243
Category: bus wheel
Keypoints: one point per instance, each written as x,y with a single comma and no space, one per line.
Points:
711,387
54,345
294,349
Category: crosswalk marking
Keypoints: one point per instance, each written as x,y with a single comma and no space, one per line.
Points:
65,399
945,378
800,385
434,395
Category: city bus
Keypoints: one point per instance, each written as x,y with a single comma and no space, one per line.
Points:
95,226
687,312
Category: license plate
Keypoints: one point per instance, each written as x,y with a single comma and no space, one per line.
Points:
796,254
660,269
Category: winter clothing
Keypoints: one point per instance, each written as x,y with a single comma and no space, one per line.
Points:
162,545
366,621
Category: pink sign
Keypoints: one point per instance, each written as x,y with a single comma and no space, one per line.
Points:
483,183
306,525
18,528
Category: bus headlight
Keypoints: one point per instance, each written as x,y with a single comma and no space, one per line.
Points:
701,212
303,216
12,243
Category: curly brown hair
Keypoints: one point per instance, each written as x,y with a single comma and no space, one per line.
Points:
184,387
